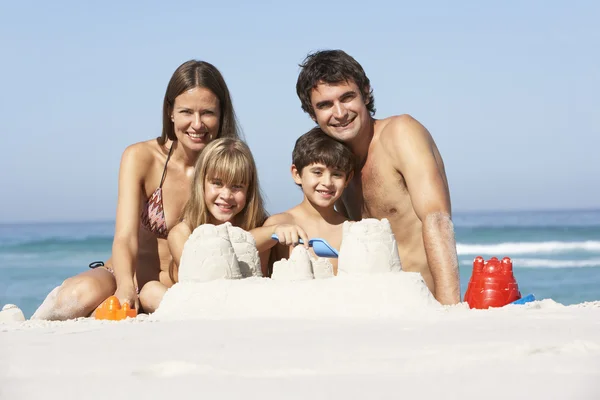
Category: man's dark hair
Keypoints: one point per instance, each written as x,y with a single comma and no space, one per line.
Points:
332,67
316,147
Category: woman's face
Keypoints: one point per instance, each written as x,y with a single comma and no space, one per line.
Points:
224,201
196,115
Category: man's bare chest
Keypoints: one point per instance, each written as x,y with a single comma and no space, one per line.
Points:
378,191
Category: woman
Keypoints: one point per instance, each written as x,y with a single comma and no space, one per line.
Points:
154,184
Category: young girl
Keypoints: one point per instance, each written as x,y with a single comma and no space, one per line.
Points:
224,189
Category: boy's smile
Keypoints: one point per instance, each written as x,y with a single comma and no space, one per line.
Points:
322,185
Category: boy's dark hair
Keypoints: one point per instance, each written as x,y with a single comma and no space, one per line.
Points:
316,147
331,66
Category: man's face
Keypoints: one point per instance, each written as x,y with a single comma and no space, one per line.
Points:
339,110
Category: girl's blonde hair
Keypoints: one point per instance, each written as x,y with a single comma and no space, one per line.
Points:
231,161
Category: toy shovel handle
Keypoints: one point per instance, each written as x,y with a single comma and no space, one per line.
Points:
320,247
275,237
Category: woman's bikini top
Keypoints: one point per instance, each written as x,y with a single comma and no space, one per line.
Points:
153,214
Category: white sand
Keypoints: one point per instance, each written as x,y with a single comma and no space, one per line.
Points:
537,351
373,334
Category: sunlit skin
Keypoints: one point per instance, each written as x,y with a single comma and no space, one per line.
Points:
401,177
340,110
321,185
195,117
224,201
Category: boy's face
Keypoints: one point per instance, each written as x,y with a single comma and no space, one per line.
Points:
322,185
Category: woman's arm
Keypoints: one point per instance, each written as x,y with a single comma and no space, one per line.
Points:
134,162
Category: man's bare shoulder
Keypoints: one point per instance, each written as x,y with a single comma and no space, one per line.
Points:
401,128
402,135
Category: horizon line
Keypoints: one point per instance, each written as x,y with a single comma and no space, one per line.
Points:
481,211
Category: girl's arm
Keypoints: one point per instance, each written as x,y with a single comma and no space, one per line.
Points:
176,240
134,162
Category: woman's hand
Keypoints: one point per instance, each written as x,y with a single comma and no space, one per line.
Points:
126,293
290,235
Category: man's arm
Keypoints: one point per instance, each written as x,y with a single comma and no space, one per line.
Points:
418,160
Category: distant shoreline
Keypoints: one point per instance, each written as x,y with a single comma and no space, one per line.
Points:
455,213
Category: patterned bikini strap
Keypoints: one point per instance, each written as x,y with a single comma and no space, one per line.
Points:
165,168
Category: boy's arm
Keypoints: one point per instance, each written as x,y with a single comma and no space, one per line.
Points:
282,225
412,149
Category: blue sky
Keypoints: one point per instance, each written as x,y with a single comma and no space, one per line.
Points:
509,91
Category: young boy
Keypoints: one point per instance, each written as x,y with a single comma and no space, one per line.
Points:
322,167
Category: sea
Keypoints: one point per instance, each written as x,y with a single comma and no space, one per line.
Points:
555,254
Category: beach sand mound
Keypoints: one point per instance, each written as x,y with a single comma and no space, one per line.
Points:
371,283
392,295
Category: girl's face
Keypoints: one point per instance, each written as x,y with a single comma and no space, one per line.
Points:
223,201
196,116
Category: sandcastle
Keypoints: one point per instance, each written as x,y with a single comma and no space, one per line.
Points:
225,251
370,282
302,266
208,254
11,313
219,251
322,268
245,250
368,247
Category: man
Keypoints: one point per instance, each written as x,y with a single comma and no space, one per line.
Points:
400,174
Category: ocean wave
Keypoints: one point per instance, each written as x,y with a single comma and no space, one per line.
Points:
546,263
57,244
511,248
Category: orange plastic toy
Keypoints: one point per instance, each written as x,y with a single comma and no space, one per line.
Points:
111,309
492,284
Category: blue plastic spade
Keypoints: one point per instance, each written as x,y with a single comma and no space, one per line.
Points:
320,247
524,300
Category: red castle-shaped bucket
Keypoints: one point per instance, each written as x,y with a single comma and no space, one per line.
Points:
492,284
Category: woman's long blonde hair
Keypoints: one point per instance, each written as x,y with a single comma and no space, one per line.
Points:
231,161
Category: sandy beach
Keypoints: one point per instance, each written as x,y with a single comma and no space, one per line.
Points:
281,344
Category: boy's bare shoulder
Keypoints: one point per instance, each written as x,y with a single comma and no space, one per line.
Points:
341,218
281,218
